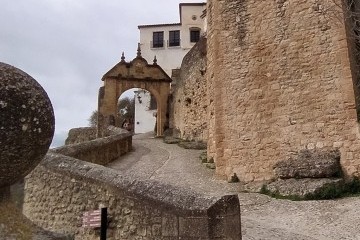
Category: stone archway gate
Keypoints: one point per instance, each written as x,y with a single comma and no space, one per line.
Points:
134,74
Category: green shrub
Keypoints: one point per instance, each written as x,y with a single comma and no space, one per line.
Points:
330,191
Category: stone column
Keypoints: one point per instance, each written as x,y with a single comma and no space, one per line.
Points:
107,105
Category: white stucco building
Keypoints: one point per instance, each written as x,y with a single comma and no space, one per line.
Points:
145,112
169,42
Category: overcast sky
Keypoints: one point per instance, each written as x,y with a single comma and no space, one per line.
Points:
68,45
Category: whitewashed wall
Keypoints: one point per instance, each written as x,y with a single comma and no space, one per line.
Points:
144,118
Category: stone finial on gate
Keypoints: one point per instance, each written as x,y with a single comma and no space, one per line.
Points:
122,57
138,51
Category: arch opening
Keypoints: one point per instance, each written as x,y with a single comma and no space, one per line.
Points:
128,75
137,111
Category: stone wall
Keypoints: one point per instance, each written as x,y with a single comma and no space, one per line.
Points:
61,189
85,134
189,100
79,135
280,80
100,151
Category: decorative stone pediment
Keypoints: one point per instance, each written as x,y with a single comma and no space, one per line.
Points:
137,69
137,73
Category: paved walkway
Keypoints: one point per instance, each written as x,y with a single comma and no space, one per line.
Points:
153,159
263,218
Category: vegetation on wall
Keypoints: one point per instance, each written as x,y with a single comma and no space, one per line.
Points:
93,119
126,107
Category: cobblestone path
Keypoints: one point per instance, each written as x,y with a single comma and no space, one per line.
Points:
263,218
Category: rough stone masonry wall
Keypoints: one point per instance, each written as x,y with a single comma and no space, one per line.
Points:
189,101
85,134
79,135
61,189
279,80
99,151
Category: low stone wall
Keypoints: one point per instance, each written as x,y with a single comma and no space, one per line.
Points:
100,151
79,135
85,134
61,188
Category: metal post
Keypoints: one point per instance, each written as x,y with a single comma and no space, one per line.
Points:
103,223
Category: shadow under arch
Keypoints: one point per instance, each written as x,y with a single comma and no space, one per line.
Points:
134,74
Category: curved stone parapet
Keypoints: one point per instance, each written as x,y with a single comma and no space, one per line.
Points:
99,151
137,209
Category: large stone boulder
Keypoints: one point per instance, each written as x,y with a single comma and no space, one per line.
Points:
26,124
301,187
310,164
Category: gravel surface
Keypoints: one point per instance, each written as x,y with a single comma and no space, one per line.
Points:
262,217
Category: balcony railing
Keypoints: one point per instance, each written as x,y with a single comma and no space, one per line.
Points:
161,44
157,44
174,43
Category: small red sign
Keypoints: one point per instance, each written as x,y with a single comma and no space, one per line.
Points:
92,219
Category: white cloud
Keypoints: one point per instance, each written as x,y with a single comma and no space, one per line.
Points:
68,45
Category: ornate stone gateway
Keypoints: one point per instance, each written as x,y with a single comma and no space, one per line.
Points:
134,74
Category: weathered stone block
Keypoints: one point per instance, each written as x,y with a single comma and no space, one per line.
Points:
169,226
192,145
310,164
193,227
301,187
78,135
171,140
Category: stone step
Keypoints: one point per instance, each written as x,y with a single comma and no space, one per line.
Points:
301,187
310,164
